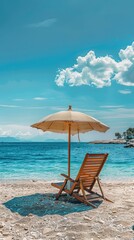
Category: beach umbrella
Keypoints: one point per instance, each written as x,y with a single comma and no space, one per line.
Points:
70,122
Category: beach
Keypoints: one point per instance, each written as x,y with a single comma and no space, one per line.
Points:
66,120
28,210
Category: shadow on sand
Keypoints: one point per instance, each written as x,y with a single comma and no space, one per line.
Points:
45,204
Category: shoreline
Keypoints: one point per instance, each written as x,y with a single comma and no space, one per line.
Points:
112,141
103,179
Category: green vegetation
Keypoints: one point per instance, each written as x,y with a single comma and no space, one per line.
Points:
118,135
127,135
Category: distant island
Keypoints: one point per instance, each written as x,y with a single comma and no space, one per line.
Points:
13,139
126,137
9,139
113,141
55,140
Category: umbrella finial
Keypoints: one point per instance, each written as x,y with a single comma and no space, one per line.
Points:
69,108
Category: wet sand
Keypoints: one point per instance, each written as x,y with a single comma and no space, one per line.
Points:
28,210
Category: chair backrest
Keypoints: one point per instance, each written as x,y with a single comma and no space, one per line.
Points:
90,168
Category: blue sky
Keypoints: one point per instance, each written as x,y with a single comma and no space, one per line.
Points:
59,53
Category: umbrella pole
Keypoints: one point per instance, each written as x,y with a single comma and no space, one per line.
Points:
69,148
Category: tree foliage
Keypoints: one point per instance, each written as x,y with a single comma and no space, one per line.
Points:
128,134
118,135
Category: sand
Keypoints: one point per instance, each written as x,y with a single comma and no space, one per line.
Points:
28,210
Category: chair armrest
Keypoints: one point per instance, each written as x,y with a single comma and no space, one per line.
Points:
67,177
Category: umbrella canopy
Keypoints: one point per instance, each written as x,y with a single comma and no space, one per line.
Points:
70,122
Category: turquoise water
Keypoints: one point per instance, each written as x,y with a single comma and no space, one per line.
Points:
47,160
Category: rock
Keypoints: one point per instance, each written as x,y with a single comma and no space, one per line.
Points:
35,234
129,145
30,214
2,225
59,234
87,218
25,228
46,230
101,221
5,233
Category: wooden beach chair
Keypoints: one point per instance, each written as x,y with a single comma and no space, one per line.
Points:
88,175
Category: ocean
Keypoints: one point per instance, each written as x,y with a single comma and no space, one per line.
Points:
46,161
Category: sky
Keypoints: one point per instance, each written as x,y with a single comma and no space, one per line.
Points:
59,53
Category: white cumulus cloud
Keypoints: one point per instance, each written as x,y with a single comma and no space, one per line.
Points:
127,53
20,131
99,71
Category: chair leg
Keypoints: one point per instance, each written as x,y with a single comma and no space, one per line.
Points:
84,195
98,181
62,188
108,200
82,189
